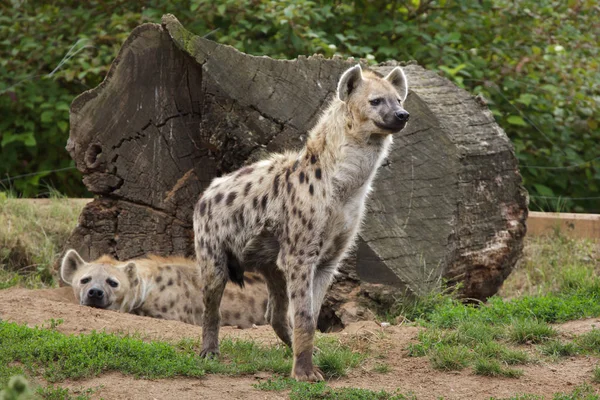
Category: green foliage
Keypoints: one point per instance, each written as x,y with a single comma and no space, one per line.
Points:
58,393
596,374
581,392
17,389
335,359
541,87
552,263
31,238
382,368
484,336
56,356
449,357
488,367
501,352
590,341
531,331
320,391
557,348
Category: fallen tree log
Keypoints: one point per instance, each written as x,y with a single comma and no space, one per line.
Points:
177,110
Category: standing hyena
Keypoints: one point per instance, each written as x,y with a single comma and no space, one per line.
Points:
293,217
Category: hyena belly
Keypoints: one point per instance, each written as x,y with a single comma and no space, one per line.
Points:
178,300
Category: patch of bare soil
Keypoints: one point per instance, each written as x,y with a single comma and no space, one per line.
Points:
407,374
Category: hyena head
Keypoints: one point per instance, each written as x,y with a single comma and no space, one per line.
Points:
375,103
102,283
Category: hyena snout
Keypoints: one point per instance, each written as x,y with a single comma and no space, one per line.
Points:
96,298
394,121
402,115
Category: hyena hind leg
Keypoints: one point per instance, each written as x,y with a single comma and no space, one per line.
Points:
214,278
277,309
321,282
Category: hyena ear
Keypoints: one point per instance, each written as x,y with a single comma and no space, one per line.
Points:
399,81
71,262
130,271
349,81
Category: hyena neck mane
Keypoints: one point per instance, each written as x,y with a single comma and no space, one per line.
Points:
345,155
136,297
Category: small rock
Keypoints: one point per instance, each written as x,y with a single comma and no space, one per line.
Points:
385,324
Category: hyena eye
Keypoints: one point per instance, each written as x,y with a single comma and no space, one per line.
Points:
375,102
85,280
112,283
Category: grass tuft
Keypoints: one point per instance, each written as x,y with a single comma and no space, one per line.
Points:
382,368
449,358
556,348
531,331
58,393
335,359
32,234
590,341
548,266
320,391
596,374
488,367
500,352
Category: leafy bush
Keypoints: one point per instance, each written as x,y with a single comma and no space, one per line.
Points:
536,63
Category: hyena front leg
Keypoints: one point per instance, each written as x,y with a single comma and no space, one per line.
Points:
300,290
214,277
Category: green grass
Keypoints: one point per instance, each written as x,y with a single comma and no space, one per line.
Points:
589,342
488,336
545,261
557,348
31,237
18,388
58,393
320,391
449,358
596,374
56,356
382,368
531,331
501,352
488,367
581,392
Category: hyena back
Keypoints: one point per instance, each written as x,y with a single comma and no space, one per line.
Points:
294,216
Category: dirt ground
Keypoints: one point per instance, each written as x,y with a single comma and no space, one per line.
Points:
407,374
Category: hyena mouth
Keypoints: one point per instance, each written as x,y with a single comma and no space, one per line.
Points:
96,305
391,128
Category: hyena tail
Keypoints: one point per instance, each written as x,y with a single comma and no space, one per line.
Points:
235,269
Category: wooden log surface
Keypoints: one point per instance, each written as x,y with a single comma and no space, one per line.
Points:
177,110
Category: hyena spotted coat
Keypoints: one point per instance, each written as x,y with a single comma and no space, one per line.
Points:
159,287
294,216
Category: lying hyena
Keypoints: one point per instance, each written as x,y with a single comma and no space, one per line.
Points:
293,217
159,287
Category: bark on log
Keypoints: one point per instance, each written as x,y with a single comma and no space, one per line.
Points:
177,110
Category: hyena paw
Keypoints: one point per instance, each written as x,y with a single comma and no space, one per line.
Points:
312,374
211,352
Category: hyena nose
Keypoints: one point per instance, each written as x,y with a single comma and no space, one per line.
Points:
95,293
402,115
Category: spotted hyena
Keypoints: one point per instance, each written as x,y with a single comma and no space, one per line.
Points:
294,216
159,287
